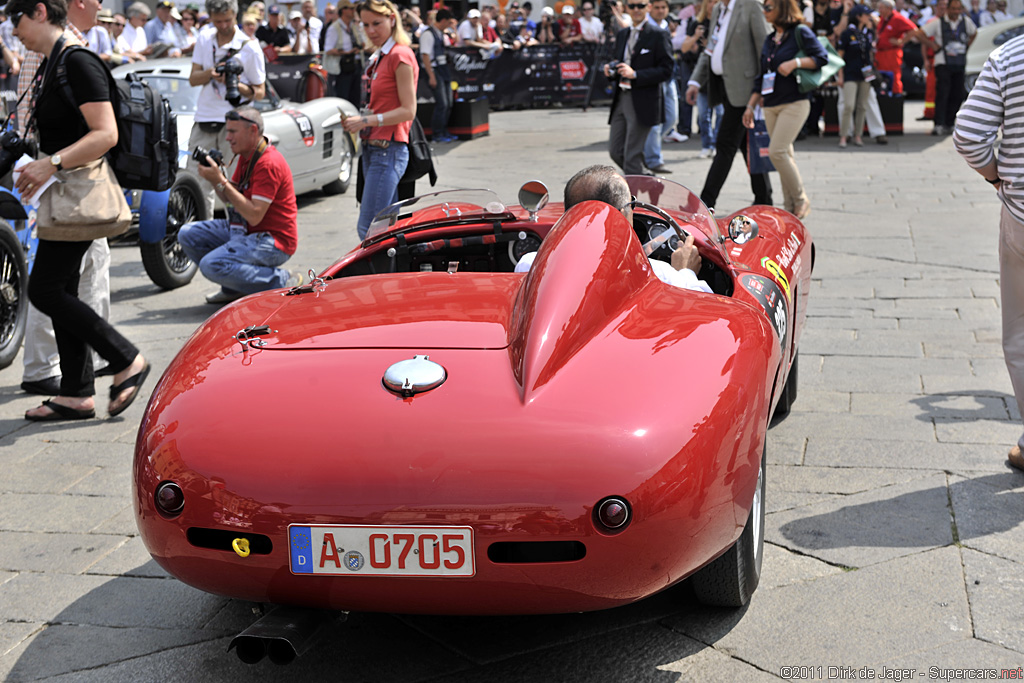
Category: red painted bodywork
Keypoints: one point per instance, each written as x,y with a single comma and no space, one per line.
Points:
585,378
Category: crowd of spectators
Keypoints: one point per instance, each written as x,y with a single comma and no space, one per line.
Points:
870,36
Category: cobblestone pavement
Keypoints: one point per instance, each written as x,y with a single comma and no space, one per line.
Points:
894,534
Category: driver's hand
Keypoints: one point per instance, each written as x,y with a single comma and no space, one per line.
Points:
686,256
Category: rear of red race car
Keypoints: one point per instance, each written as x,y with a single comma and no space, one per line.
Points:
573,439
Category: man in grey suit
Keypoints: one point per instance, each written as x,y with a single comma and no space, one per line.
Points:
728,67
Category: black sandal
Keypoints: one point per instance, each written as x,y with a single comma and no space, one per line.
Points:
61,412
134,383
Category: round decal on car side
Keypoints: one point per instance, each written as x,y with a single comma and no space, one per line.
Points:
304,124
770,296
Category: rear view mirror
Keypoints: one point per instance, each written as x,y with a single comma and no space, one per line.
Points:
742,229
533,196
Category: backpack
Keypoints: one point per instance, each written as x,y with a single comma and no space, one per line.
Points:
421,159
146,154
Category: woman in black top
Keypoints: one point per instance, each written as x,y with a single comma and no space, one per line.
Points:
855,47
776,89
70,141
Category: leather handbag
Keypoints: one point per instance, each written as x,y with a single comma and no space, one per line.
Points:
85,204
812,79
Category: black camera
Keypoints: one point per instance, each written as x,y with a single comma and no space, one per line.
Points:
231,68
613,70
200,154
12,148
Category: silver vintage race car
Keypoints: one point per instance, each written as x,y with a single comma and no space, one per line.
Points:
309,135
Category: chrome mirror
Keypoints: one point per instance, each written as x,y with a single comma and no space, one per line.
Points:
533,196
742,229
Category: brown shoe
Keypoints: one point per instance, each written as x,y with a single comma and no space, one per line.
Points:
1016,458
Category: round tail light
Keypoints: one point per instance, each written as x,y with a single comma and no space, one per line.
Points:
612,514
169,498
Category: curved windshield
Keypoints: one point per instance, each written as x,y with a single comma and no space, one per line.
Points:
450,207
675,198
181,96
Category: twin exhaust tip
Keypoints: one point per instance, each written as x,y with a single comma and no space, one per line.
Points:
282,634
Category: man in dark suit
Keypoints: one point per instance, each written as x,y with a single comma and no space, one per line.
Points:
644,57
728,67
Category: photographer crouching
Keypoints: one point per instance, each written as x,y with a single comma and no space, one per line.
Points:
230,67
243,252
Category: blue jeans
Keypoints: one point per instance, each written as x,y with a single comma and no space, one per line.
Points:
708,136
652,147
382,169
442,102
238,262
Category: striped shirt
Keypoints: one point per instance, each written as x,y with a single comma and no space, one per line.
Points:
997,101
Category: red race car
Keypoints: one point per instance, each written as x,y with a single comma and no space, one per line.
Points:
422,430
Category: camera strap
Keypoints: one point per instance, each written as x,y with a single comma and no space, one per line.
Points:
246,179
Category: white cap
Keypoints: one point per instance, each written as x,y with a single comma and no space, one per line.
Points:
473,14
568,9
525,262
294,14
548,12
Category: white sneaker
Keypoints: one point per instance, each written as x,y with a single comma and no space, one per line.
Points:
676,136
705,153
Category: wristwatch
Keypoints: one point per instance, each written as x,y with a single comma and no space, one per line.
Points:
55,160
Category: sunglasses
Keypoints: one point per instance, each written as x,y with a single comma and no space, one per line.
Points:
767,8
235,116
16,17
117,23
637,5
631,204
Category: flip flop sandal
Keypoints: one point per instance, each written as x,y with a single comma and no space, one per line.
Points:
134,383
61,413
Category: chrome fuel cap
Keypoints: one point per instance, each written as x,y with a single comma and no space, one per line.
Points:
414,376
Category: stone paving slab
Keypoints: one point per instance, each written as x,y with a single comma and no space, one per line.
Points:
989,512
996,590
54,552
868,528
920,597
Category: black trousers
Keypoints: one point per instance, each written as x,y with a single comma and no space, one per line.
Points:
950,93
53,289
732,136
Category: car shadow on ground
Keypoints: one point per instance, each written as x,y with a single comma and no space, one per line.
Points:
142,625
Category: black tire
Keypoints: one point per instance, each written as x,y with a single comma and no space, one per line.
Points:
166,262
13,294
788,396
731,579
346,167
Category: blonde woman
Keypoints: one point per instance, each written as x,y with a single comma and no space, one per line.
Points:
391,73
776,89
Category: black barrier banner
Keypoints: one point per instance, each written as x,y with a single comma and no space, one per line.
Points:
532,76
285,72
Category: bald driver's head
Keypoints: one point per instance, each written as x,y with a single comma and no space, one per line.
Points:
601,183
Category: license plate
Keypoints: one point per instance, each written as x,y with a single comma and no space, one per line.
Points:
381,550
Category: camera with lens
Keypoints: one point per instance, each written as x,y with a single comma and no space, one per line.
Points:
12,148
231,68
200,154
613,70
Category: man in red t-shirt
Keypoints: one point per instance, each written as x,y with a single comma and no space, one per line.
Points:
892,29
243,252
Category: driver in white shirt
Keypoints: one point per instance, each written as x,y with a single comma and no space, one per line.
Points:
605,184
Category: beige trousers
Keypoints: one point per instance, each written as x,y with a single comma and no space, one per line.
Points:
784,123
855,108
1011,286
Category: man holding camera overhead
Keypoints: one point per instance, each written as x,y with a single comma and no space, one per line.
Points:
243,253
230,67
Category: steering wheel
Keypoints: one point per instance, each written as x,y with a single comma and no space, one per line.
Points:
676,232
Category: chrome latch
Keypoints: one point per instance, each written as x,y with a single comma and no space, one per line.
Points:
250,336
315,284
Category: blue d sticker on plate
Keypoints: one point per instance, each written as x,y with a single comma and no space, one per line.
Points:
300,543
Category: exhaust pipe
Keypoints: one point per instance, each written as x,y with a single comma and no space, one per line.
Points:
282,634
